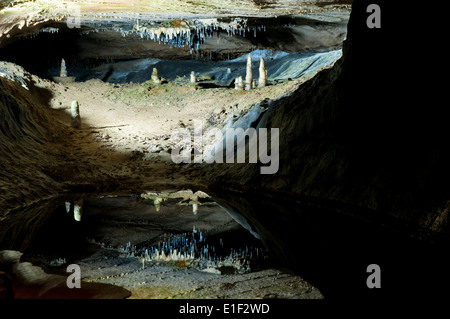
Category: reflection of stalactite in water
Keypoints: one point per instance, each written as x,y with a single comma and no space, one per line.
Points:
194,250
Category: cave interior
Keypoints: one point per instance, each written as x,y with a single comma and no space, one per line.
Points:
361,176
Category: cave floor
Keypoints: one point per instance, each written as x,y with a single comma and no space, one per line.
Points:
125,134
139,118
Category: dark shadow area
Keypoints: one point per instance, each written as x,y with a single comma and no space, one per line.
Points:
42,53
331,245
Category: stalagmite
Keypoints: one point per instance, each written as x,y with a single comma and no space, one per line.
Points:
75,115
63,71
249,74
262,74
78,210
155,77
193,77
239,83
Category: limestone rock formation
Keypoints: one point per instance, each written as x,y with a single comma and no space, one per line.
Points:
249,74
63,69
262,82
193,78
155,77
239,83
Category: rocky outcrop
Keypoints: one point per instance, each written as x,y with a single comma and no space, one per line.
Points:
356,134
363,166
26,135
28,149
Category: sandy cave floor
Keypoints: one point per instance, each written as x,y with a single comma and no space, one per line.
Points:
139,117
126,128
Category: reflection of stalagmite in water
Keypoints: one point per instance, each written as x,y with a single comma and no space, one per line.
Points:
157,202
249,74
75,115
262,74
67,207
155,77
78,210
63,71
195,204
195,208
193,77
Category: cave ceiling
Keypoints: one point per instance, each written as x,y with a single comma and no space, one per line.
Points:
118,29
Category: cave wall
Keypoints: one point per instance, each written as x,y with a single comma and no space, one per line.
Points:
363,174
27,138
369,132
28,150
